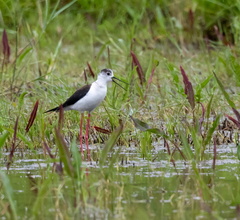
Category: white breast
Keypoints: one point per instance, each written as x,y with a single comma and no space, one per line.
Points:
92,99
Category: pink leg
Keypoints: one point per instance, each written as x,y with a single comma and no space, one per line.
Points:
80,134
87,135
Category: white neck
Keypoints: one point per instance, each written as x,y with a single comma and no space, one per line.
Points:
101,81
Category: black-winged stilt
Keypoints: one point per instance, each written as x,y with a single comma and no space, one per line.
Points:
87,99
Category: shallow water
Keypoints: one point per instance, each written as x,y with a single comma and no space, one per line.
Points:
154,183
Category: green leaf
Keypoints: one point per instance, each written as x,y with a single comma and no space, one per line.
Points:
143,126
211,130
56,13
21,101
201,86
25,140
3,138
227,97
64,153
23,54
157,131
77,160
209,107
6,185
110,143
140,124
186,147
43,192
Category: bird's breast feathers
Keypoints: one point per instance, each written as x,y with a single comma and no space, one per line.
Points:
92,99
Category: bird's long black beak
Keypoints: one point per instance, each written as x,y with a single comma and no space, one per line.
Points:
115,78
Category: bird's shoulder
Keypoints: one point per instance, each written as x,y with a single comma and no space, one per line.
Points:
79,94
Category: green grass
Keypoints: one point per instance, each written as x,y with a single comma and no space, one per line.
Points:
51,45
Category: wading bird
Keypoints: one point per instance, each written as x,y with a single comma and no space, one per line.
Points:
87,98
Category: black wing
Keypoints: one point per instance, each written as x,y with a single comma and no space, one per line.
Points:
80,93
77,96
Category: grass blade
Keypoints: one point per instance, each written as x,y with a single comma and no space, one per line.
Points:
191,19
157,132
180,151
85,75
143,126
236,112
234,121
136,63
9,193
23,54
201,120
209,107
227,97
61,118
6,47
151,75
214,153
151,78
230,102
13,148
32,117
3,138
211,130
64,153
43,191
77,160
111,142
90,70
200,87
21,101
109,57
55,14
187,150
102,130
47,148
166,145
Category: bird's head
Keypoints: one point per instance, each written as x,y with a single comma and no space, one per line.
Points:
107,76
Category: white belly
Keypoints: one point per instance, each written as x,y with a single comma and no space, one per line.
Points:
91,100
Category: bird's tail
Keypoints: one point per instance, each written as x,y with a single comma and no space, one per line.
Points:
52,110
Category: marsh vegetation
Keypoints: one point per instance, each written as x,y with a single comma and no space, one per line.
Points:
166,148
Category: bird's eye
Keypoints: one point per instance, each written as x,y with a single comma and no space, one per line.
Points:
108,74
